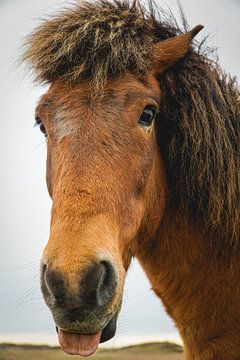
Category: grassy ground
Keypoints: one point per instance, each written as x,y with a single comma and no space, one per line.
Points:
152,351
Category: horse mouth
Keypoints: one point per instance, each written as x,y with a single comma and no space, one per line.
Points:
109,331
85,344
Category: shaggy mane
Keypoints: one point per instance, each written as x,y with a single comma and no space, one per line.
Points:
199,120
92,40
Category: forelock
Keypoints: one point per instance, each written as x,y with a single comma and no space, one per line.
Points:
92,41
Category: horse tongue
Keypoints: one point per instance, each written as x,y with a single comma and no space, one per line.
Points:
78,344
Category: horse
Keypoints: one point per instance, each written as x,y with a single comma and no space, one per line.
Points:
143,160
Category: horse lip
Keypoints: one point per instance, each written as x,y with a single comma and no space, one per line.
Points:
110,329
106,334
74,332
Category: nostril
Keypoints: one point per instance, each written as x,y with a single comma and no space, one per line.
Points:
98,285
53,282
107,283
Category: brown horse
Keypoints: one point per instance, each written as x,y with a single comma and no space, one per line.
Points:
143,137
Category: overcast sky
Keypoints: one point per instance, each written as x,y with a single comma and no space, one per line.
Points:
25,205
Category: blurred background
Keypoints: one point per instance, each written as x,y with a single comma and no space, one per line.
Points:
25,205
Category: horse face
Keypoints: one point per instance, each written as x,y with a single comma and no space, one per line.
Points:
102,166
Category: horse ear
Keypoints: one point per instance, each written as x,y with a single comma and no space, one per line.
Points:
167,52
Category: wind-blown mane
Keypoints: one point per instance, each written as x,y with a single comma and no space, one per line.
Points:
199,119
199,134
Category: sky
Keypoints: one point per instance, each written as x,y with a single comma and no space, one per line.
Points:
25,204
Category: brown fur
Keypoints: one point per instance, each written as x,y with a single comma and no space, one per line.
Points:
169,196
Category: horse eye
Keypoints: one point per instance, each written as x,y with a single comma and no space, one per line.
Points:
147,117
41,126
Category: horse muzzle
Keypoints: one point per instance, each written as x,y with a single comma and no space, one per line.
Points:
85,315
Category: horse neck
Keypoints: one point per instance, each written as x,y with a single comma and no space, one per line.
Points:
196,288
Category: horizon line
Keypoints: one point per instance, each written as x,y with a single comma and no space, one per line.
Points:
116,342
